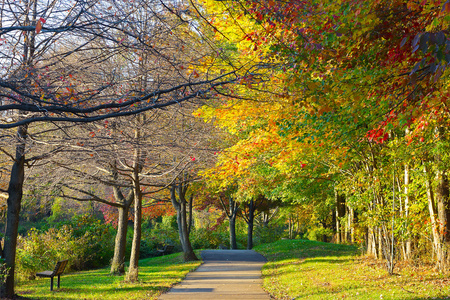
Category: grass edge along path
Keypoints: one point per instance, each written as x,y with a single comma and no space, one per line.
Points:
156,275
299,269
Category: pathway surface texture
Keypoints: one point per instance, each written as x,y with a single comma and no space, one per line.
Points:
224,274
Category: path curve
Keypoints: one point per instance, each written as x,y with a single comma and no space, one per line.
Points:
224,274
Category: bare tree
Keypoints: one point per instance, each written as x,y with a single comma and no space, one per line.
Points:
47,84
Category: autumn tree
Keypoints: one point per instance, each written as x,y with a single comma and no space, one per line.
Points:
353,76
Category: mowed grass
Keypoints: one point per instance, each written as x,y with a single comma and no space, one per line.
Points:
301,269
156,275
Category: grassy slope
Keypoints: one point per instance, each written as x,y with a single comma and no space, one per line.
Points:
156,275
313,270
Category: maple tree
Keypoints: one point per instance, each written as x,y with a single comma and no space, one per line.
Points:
346,79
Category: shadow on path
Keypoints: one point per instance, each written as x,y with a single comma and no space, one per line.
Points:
224,274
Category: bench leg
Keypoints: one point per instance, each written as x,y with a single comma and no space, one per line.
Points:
58,280
51,283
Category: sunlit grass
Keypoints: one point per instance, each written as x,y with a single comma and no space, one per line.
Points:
156,275
299,269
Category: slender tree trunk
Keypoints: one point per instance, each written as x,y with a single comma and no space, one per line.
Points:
406,212
442,198
15,192
234,207
333,221
250,224
443,210
340,213
233,242
380,242
437,245
190,220
180,207
350,225
372,242
290,225
133,270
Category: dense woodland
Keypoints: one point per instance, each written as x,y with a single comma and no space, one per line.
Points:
127,125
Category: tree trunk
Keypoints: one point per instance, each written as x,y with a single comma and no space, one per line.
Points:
437,244
442,199
350,229
372,242
233,242
234,208
180,207
443,211
15,192
290,227
191,220
118,262
250,223
340,213
133,270
407,251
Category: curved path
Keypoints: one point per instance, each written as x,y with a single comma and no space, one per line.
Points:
224,274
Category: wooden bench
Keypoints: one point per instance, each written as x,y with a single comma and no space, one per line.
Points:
166,249
59,269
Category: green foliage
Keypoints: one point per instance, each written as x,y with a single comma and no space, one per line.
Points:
203,238
41,250
99,240
85,241
268,233
319,234
59,212
3,271
163,232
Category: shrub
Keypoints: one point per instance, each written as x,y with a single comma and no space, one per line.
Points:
41,250
203,238
90,245
268,233
318,233
164,232
98,241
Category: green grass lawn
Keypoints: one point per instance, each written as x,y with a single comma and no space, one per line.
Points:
156,275
301,269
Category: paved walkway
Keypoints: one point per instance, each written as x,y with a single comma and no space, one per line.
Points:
224,274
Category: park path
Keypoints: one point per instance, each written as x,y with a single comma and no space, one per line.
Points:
224,274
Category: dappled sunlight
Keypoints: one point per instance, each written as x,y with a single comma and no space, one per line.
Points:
314,270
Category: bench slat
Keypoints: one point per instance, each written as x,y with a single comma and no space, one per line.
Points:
59,269
45,274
